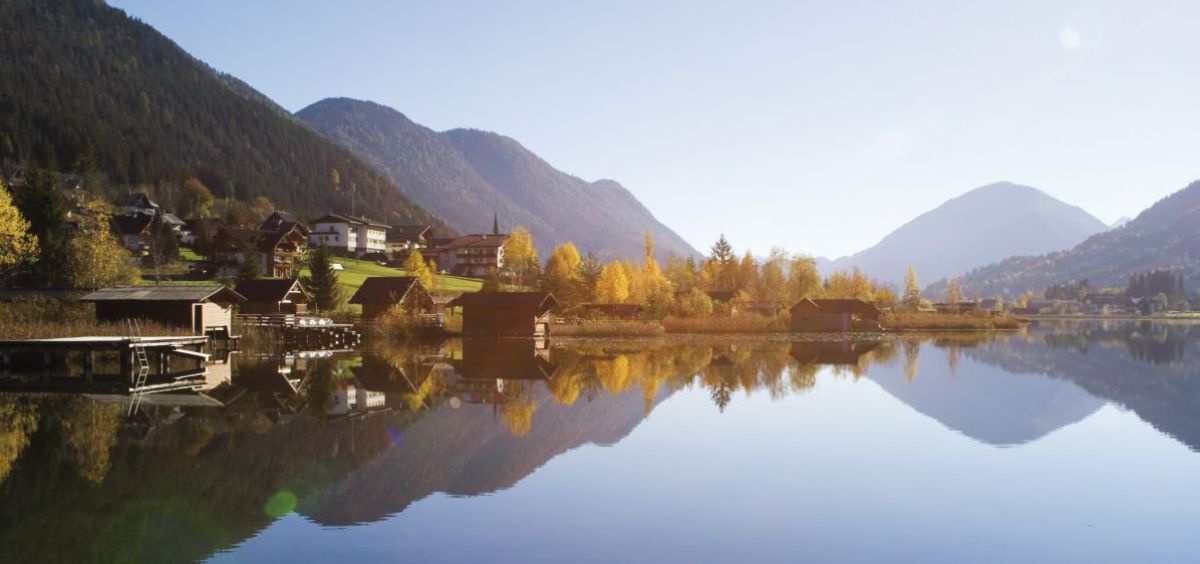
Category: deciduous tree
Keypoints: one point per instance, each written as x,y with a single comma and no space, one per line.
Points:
17,246
195,200
613,286
520,257
415,265
97,257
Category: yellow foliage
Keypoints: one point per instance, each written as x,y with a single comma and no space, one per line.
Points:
96,256
17,246
415,265
517,416
613,286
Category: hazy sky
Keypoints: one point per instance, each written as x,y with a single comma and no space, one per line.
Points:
816,126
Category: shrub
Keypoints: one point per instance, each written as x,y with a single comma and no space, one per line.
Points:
744,323
610,328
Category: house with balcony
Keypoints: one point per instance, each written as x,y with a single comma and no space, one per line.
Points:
349,235
274,252
469,255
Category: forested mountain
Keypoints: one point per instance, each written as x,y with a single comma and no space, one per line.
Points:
1165,236
85,88
984,225
466,176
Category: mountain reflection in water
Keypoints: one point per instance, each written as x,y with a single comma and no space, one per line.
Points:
354,439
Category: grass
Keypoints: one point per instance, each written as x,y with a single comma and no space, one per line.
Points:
610,328
41,318
947,322
732,324
355,271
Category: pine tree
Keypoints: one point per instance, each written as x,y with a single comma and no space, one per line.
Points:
322,280
42,206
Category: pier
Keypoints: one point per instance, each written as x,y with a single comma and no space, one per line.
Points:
173,362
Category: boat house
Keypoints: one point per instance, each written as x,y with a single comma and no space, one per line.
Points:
206,309
266,296
380,293
506,314
834,315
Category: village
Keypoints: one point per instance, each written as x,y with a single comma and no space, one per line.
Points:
232,275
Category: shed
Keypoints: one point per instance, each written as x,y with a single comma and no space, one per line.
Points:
506,314
273,295
831,353
832,315
379,293
203,308
611,311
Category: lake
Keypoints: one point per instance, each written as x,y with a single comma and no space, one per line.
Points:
1067,442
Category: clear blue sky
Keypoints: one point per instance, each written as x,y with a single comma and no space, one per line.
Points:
816,126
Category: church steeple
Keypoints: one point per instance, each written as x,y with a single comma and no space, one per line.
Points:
495,224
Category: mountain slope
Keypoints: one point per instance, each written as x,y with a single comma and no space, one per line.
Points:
466,176
984,225
1167,235
83,87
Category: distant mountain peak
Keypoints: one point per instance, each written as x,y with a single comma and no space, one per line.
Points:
982,225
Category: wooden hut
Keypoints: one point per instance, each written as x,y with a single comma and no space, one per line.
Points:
206,309
379,293
840,315
267,296
506,314
611,311
831,353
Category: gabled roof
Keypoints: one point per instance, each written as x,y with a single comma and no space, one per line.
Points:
536,301
408,233
283,221
242,239
269,289
171,219
339,218
134,200
477,240
165,294
132,224
850,305
385,289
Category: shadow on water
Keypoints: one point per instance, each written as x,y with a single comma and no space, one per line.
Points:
354,438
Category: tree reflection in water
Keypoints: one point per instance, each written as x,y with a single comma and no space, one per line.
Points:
355,438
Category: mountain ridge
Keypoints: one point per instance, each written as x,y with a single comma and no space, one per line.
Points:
1163,236
468,175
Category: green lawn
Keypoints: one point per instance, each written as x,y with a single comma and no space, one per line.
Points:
354,272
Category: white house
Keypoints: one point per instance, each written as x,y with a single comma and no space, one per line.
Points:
344,234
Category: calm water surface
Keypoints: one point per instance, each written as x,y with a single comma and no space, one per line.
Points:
1070,442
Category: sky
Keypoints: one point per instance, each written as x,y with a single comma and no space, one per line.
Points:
818,127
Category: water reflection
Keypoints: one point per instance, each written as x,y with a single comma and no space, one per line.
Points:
353,439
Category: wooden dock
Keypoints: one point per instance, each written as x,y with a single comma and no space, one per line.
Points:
176,361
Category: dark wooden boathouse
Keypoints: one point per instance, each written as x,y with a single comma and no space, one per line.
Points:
834,315
380,293
506,314
266,296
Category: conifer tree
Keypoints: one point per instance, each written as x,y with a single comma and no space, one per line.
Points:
322,280
42,206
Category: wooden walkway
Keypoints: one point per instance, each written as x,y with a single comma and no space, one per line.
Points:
55,358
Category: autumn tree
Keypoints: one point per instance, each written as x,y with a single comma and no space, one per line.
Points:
17,246
195,200
520,257
322,280
682,273
563,273
803,279
912,289
954,293
415,265
772,283
96,256
613,285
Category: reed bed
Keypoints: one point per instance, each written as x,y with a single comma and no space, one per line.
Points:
610,328
732,324
948,322
40,318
